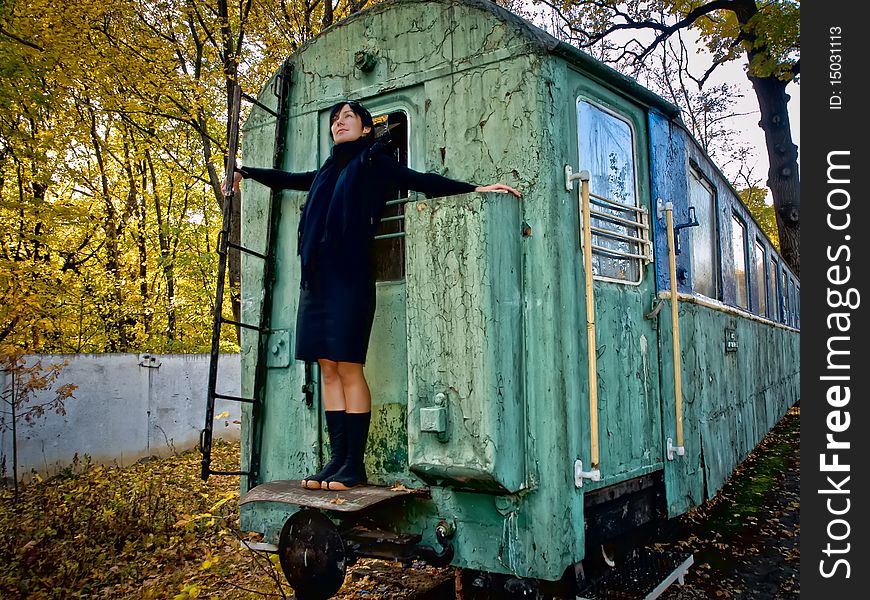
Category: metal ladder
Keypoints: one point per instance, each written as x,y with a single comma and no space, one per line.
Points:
280,89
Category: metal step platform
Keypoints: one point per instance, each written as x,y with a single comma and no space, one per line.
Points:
352,500
642,576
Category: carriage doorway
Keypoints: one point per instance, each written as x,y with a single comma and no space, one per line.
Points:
612,146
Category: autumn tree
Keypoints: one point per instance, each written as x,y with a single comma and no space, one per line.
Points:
113,128
765,35
91,148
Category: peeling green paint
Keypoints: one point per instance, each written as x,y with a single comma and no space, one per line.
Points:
730,400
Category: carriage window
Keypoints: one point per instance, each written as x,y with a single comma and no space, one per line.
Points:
797,306
784,294
774,290
703,238
606,150
738,238
760,278
792,319
389,245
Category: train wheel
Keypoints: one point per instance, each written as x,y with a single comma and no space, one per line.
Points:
312,555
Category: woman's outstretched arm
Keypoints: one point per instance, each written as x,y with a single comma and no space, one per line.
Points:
274,178
432,184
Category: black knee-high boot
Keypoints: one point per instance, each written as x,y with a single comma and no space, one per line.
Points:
337,428
353,472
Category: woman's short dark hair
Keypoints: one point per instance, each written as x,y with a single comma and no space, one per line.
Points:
360,110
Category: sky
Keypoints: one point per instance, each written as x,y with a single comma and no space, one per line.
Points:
747,125
746,107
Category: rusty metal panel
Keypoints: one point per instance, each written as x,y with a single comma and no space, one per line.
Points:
255,208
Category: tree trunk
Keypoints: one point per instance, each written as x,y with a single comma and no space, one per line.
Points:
167,261
783,177
231,73
114,324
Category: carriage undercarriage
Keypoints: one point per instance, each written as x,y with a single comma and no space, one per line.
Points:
331,530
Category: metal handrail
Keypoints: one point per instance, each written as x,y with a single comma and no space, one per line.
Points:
604,200
621,236
619,253
607,216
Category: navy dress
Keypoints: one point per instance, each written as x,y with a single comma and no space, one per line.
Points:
345,202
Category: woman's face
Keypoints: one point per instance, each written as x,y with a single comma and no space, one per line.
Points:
347,126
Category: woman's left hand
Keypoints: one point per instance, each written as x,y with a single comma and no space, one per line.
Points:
497,187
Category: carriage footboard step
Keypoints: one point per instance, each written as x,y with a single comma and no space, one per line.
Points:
642,576
354,499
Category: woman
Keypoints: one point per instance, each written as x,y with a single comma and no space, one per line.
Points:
346,197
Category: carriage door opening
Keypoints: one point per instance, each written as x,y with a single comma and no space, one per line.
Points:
612,148
386,360
389,245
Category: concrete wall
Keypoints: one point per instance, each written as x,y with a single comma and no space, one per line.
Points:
126,407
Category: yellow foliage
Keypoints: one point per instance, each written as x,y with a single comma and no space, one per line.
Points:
112,121
114,530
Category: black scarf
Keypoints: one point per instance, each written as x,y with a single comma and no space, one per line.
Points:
330,208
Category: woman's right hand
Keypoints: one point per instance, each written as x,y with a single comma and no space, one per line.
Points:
498,187
237,178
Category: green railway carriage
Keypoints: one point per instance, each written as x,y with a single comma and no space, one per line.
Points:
502,442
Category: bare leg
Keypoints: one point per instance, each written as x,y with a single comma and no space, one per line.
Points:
357,418
333,391
333,400
356,394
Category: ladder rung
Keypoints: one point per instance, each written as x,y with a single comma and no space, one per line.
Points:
244,325
387,236
235,398
246,250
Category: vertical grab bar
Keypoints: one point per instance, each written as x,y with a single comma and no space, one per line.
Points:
675,335
586,228
590,320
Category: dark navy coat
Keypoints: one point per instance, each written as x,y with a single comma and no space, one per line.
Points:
346,198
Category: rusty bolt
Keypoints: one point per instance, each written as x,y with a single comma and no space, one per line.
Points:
527,230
